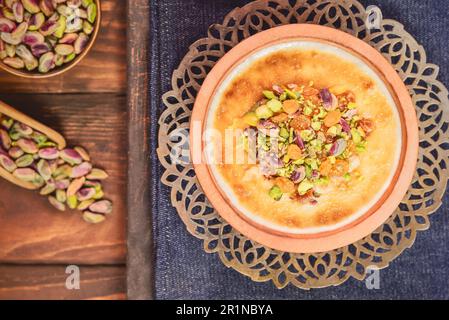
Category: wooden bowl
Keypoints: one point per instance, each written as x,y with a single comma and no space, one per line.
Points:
368,221
66,67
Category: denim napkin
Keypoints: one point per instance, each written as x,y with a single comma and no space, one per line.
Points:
184,271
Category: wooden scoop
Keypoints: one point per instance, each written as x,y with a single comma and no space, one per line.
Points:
50,133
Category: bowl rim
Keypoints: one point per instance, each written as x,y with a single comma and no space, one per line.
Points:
370,220
60,70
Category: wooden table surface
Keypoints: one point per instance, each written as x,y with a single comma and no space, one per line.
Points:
88,106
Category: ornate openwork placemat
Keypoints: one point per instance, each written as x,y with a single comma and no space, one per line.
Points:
374,251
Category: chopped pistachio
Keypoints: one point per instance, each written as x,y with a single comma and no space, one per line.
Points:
275,193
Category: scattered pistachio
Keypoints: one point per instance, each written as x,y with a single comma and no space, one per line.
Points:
85,194
81,170
49,188
103,206
97,174
72,201
85,204
55,203
92,217
44,34
75,185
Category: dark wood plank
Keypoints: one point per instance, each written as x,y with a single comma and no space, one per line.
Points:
25,282
103,69
140,248
30,229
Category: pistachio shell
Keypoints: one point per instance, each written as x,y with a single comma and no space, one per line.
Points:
6,25
27,145
55,203
17,9
46,62
36,21
7,163
31,6
93,217
103,206
49,153
64,49
75,185
70,156
97,174
24,161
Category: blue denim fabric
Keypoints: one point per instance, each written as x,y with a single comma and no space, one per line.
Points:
184,271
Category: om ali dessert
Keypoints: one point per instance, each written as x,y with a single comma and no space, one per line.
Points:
320,137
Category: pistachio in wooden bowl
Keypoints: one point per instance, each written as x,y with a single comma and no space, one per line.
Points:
43,38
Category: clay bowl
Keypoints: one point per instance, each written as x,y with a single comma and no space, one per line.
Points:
66,67
370,219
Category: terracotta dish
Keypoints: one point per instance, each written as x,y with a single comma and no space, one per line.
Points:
346,126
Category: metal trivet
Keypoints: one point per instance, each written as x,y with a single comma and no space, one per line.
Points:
388,241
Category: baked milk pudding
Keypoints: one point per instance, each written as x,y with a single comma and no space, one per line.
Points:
317,129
